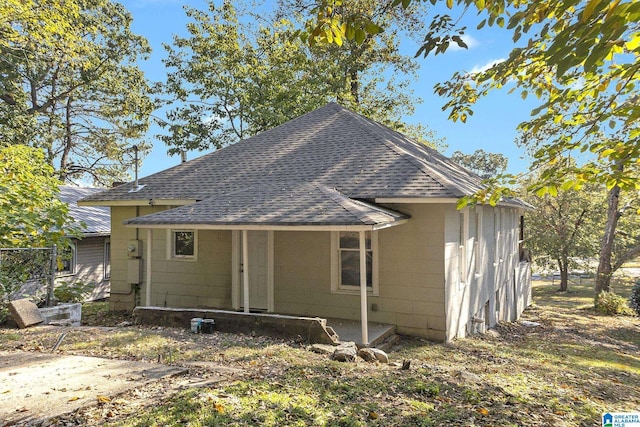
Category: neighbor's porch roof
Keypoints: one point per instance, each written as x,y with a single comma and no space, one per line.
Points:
275,206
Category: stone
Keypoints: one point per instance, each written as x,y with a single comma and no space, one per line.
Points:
468,376
323,348
367,354
25,313
529,324
345,352
380,355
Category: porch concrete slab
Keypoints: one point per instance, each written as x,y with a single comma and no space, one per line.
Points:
350,330
36,386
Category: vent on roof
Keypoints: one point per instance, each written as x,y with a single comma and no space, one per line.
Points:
136,188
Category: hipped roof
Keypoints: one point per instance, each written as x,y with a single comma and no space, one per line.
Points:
318,158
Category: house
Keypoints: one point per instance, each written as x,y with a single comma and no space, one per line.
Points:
87,260
294,219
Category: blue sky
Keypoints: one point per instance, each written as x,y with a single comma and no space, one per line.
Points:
491,128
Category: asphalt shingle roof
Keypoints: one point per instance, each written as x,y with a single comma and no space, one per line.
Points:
330,146
319,168
96,218
281,204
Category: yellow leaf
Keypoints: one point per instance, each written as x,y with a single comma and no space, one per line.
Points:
634,42
103,399
73,399
483,411
373,415
450,4
219,407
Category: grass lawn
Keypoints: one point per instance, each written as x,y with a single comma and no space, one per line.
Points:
565,372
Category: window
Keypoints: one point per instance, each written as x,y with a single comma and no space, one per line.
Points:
107,259
184,244
66,265
346,263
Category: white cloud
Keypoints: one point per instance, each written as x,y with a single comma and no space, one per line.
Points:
468,40
486,66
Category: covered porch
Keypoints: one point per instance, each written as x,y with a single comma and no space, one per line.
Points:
308,329
252,216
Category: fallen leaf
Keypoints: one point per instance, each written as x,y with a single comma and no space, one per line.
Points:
373,415
483,411
103,399
73,399
219,407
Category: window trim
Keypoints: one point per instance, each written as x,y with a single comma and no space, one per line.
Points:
336,286
171,239
73,247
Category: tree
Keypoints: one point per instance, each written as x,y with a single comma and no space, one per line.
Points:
564,229
32,214
228,81
581,61
70,86
485,164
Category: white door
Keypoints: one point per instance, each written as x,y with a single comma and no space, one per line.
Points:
258,242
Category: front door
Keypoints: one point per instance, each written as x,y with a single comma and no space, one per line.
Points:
259,271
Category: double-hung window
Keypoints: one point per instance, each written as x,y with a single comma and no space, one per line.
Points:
346,263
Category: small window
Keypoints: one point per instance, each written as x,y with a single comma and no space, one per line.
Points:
66,265
346,264
184,244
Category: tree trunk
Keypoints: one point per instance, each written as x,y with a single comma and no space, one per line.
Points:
603,275
563,266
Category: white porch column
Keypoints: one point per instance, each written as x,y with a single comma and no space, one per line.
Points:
363,290
245,270
148,275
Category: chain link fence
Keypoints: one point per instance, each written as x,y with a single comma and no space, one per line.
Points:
26,273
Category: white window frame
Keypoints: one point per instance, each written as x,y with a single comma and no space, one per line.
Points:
336,286
171,239
73,262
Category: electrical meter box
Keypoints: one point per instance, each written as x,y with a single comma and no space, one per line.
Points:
134,271
133,248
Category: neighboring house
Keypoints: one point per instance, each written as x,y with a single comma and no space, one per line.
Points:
87,261
320,204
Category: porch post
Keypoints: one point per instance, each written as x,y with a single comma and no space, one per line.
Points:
148,254
245,270
363,290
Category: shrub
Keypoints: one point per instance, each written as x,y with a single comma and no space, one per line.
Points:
71,292
611,303
634,299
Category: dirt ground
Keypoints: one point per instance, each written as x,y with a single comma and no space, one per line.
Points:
571,366
36,386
